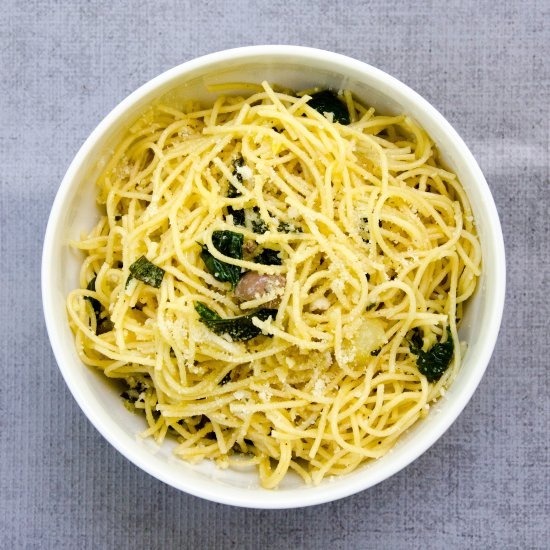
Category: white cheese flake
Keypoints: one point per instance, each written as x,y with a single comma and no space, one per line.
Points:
265,395
131,286
293,212
337,285
320,304
245,172
319,388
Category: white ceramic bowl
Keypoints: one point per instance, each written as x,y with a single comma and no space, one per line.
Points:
74,210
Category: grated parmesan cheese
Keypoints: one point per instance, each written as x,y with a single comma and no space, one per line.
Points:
319,387
131,287
320,304
293,212
245,172
265,395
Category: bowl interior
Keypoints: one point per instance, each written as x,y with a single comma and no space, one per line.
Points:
74,212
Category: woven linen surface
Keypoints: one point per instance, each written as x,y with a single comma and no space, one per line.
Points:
484,65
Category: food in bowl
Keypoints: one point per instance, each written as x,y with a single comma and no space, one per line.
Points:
277,279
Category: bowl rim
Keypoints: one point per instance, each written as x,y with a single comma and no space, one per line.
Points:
331,491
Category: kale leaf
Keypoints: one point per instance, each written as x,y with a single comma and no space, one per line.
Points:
225,379
132,395
96,304
329,102
238,328
102,325
143,270
237,163
238,215
416,339
268,256
434,362
258,225
233,192
230,244
285,227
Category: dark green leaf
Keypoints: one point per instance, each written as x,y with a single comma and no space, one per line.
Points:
102,325
376,352
132,393
237,163
105,325
328,102
225,379
238,328
416,340
143,270
268,256
285,227
96,304
233,192
238,215
220,270
230,244
258,225
371,306
206,313
433,363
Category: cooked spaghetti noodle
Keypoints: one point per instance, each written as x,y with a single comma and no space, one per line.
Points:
373,253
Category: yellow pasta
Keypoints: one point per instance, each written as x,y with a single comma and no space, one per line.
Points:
367,250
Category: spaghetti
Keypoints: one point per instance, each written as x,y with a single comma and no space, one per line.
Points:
275,286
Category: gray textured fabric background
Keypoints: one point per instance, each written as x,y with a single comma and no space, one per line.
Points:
485,65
